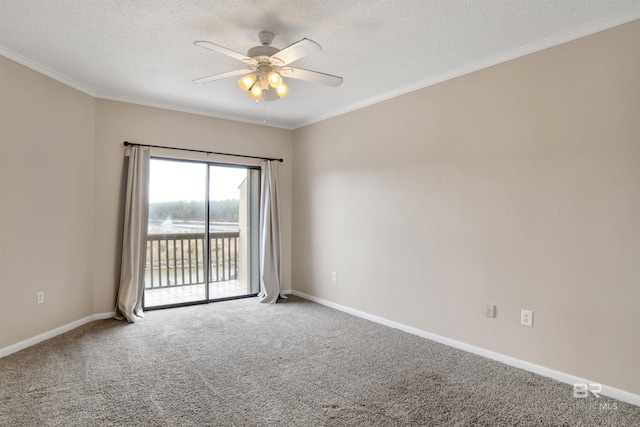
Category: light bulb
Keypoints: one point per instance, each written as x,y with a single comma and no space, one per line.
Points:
256,92
274,79
247,81
282,90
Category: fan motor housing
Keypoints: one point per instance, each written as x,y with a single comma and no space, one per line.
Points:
262,51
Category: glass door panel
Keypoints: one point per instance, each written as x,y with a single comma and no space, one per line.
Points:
175,271
233,228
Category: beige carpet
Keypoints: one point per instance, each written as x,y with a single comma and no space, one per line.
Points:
295,363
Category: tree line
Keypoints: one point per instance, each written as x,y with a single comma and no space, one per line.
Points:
220,210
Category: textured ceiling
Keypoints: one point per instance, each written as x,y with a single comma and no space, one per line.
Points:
142,51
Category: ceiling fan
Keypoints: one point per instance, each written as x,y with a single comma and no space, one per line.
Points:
266,65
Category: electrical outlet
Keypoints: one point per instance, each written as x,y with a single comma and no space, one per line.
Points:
40,297
526,318
334,276
490,310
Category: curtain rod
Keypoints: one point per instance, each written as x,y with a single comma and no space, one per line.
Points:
127,143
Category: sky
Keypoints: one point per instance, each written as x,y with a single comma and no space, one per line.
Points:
175,180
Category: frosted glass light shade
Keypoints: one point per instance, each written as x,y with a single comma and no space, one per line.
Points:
256,92
282,90
247,81
274,79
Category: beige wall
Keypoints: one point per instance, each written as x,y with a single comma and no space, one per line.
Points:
518,185
46,226
117,122
61,158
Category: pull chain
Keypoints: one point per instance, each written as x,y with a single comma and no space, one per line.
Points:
264,113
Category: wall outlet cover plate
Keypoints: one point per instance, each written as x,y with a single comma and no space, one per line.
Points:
526,318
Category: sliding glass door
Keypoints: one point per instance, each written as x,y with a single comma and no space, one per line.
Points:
233,231
203,233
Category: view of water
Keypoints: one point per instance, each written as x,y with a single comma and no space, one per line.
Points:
172,227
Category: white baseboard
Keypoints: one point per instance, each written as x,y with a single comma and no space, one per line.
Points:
622,395
52,333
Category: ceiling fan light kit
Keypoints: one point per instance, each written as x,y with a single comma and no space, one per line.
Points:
257,84
267,65
247,81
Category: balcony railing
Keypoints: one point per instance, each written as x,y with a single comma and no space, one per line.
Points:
178,259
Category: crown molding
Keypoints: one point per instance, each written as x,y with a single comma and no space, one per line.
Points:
528,49
61,78
189,110
7,53
552,41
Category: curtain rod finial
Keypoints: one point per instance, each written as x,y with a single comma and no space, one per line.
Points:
126,143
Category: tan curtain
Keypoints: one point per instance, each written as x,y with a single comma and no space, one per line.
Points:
134,242
270,250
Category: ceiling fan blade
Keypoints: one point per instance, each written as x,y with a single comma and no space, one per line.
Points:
311,76
295,51
232,53
215,77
